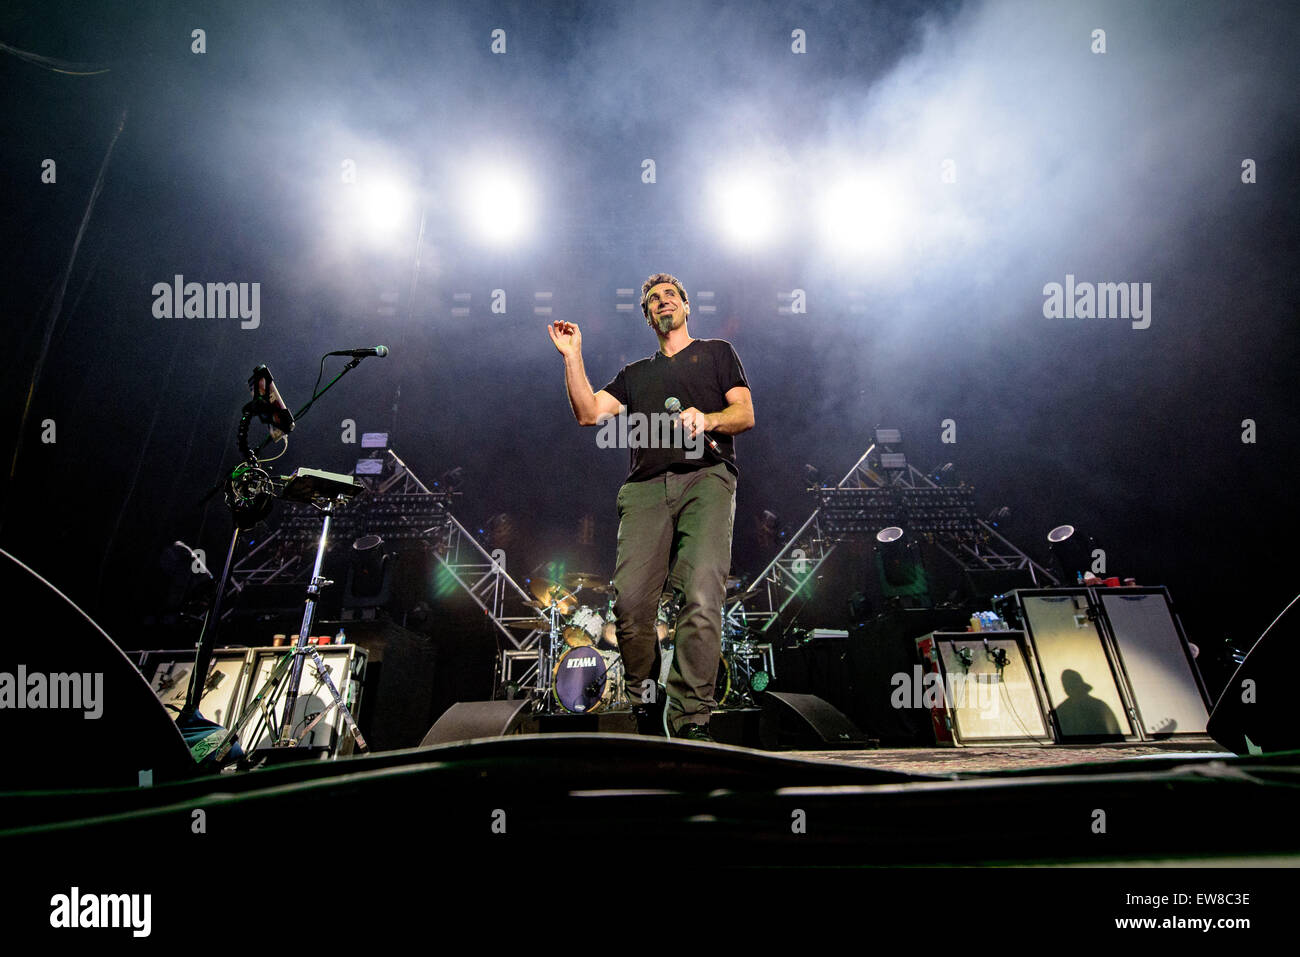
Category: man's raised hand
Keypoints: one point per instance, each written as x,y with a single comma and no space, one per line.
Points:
566,336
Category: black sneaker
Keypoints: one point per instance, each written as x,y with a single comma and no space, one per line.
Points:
694,732
650,718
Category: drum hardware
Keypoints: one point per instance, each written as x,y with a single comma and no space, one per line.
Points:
744,676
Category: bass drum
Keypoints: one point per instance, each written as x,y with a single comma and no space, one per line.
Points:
721,684
581,680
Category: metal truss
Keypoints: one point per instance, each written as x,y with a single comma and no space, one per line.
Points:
275,559
789,574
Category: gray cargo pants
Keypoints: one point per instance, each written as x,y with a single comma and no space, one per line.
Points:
676,528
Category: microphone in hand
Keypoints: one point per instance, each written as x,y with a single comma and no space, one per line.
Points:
674,406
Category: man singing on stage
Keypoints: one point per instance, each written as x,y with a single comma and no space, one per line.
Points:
678,504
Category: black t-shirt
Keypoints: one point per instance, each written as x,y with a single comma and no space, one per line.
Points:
699,377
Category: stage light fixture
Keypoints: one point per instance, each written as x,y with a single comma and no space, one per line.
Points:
746,208
861,216
387,207
1072,551
498,205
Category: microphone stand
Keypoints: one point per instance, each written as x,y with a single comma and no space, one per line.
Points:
202,735
351,364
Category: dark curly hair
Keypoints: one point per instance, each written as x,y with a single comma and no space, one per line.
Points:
655,280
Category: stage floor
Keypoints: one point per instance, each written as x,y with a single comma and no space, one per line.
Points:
973,760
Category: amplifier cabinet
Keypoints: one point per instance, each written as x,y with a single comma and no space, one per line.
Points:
1168,692
979,688
237,674
345,665
168,674
1079,670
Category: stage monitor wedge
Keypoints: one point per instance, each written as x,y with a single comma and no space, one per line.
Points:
74,711
1256,711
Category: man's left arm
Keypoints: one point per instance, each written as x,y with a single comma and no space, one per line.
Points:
737,417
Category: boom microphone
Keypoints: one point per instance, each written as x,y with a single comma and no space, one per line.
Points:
380,351
675,407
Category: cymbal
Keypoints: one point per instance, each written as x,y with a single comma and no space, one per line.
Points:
596,583
552,593
528,624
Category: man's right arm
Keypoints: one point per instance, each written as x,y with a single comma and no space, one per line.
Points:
589,408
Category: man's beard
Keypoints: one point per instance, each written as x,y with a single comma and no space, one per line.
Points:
668,322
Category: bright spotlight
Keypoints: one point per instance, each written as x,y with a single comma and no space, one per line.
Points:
862,216
386,208
497,204
746,208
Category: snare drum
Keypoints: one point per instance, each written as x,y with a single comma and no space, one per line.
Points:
581,680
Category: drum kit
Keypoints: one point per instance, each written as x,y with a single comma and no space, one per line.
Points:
579,653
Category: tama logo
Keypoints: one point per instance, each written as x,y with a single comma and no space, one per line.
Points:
580,663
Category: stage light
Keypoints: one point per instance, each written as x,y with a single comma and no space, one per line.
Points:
746,208
497,204
1072,551
861,217
387,208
